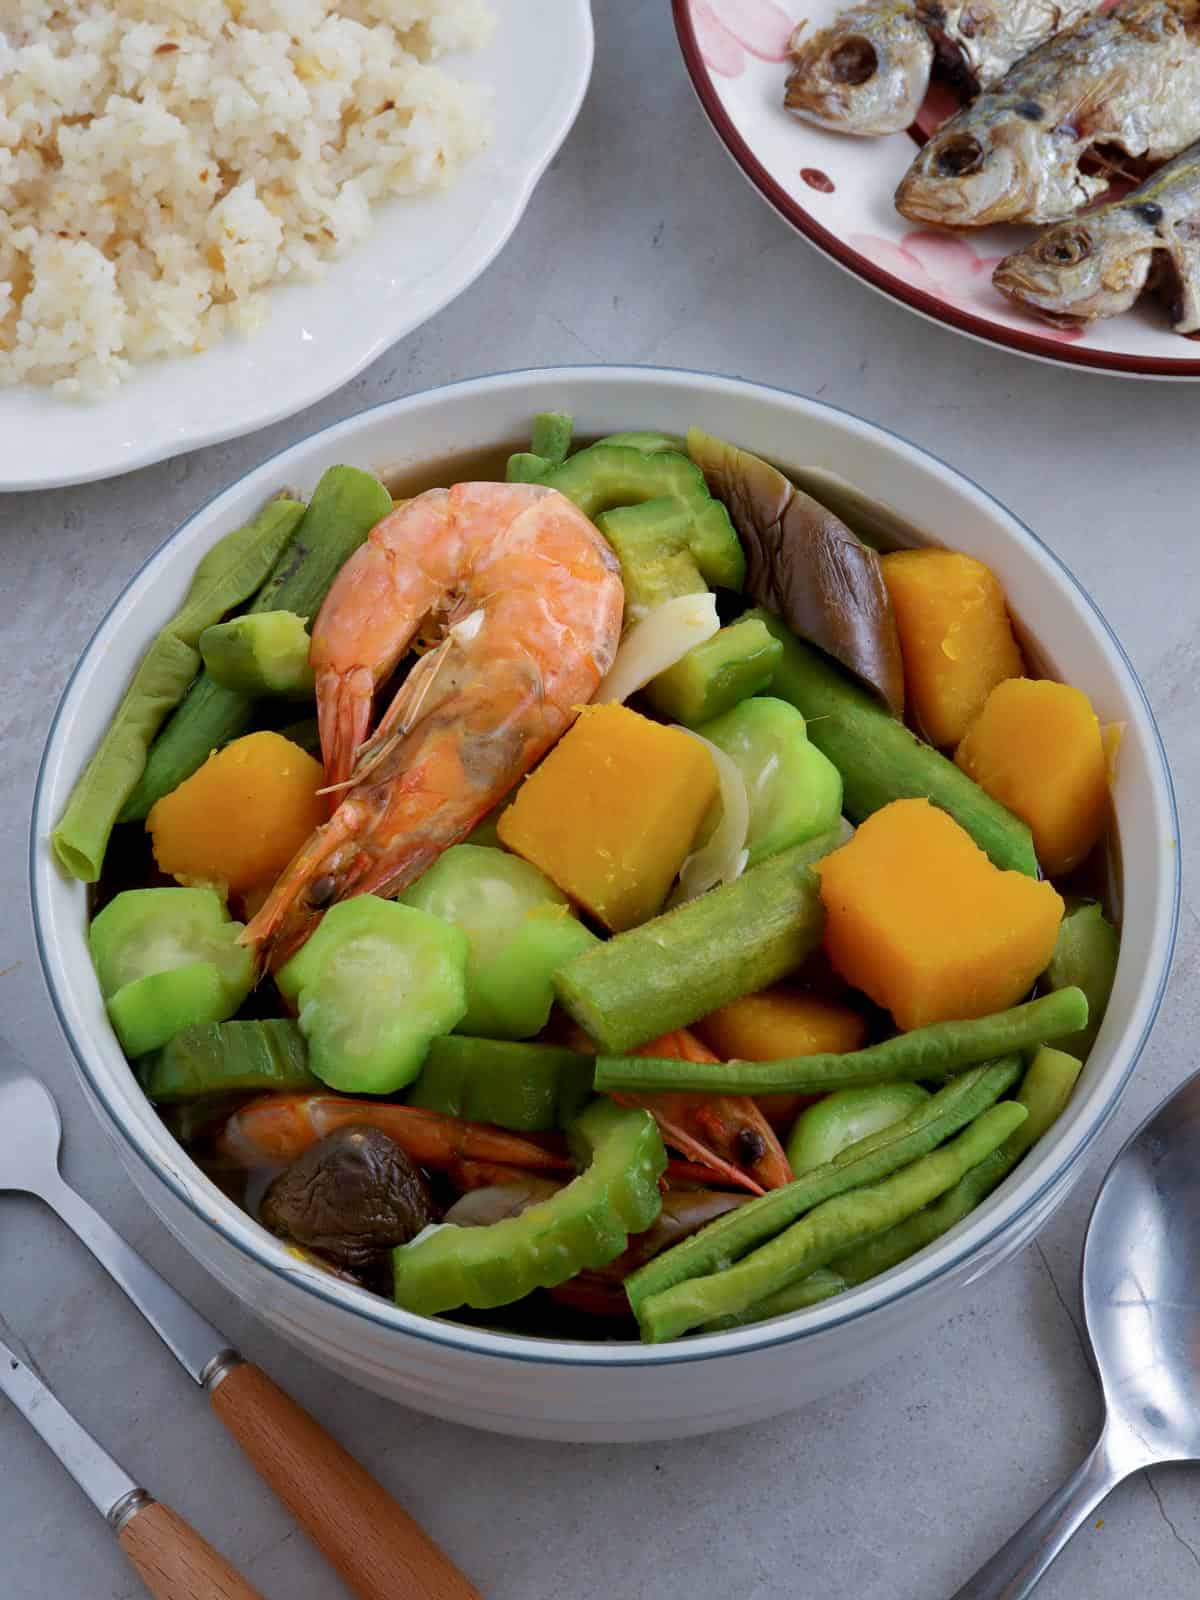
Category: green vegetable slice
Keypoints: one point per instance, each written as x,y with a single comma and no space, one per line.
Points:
827,1231
605,476
924,1054
345,506
880,760
261,654
584,1226
1085,957
712,677
550,436
840,1119
520,929
868,1161
373,985
795,792
167,959
226,1058
227,575
679,966
530,1088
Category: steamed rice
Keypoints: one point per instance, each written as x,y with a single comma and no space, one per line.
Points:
164,162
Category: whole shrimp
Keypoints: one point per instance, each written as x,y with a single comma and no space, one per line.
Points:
528,598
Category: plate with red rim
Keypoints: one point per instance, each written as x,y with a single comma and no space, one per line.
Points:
837,191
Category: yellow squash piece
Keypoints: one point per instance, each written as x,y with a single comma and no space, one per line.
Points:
955,637
241,817
918,918
782,1022
611,812
1037,748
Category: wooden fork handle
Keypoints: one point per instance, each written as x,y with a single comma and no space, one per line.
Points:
174,1562
377,1548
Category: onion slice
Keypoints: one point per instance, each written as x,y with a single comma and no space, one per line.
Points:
656,643
722,857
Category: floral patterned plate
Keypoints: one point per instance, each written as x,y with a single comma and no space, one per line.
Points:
837,191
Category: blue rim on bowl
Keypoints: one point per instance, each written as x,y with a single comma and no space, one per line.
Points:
244,1235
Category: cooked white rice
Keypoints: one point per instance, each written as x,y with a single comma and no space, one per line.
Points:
164,162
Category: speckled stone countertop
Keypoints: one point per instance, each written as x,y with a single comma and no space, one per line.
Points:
643,244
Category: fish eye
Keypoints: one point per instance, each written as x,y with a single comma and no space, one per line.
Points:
1066,247
959,155
853,61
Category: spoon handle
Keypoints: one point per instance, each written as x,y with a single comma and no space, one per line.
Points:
1016,1567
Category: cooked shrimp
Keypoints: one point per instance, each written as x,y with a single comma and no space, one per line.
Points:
726,1133
277,1128
529,598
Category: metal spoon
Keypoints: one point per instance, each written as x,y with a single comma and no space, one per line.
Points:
174,1562
1141,1302
375,1545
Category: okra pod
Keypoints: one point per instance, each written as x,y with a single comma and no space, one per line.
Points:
880,760
924,1054
682,965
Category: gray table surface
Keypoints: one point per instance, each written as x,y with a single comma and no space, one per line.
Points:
643,244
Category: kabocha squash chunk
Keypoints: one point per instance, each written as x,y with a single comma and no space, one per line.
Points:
241,817
919,919
1037,748
781,1022
955,637
611,812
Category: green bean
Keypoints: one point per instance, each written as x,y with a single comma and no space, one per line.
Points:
738,1232
227,575
1044,1092
345,506
932,1053
827,1231
819,1285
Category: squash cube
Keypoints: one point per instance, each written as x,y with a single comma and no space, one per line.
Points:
955,637
240,818
781,1022
1037,747
611,812
919,919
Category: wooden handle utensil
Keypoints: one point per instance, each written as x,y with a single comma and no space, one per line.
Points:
378,1549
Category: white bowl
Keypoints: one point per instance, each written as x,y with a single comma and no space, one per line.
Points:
621,1391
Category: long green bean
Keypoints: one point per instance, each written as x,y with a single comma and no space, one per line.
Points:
826,1231
738,1232
1044,1092
932,1053
230,572
345,506
819,1285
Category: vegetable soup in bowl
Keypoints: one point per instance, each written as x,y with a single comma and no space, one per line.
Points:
589,873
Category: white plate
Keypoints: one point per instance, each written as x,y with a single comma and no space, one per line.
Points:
837,191
422,253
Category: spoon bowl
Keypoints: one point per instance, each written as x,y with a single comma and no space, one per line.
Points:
1141,1282
1141,1302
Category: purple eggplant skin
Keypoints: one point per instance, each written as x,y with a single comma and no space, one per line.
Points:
805,565
352,1198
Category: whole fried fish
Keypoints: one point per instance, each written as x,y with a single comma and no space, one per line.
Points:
868,72
1129,78
1098,265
